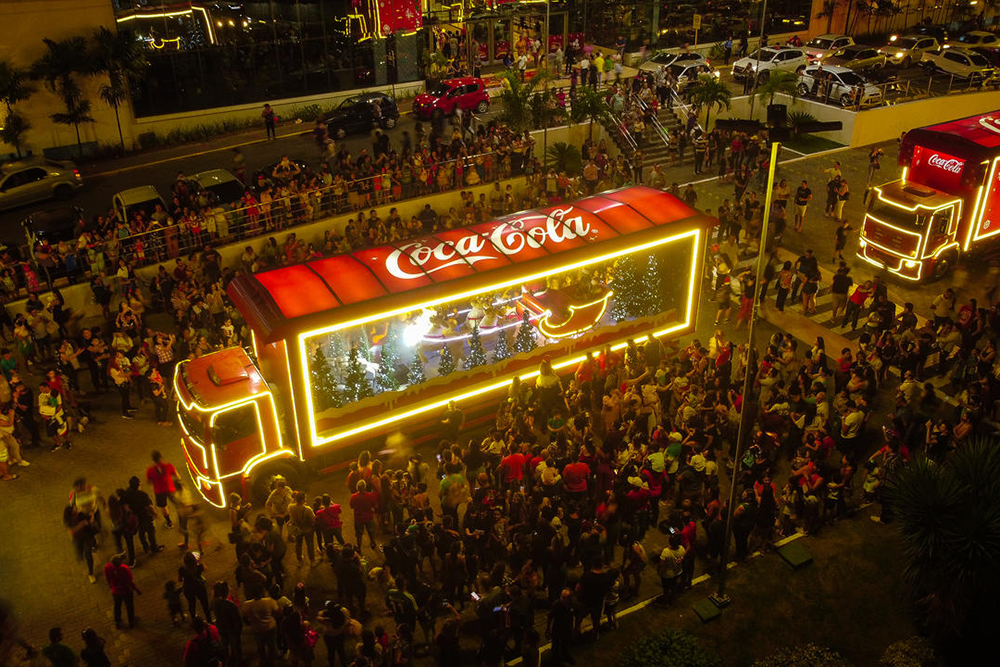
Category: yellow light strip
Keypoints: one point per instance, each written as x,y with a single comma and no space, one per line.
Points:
977,211
291,396
920,237
204,452
166,15
695,235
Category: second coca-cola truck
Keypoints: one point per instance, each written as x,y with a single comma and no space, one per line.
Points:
947,202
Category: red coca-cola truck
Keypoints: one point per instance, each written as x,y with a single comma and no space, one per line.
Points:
947,202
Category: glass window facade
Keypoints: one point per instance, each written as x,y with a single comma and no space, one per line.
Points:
207,54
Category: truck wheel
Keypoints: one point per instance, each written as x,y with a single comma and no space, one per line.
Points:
262,477
944,265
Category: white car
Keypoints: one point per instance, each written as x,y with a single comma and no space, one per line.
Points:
226,188
688,73
975,39
824,46
37,179
764,60
844,84
960,63
664,58
143,198
908,49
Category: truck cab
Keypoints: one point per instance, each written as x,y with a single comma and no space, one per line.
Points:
911,230
229,420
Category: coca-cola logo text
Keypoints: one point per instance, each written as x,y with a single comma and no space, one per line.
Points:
952,165
416,259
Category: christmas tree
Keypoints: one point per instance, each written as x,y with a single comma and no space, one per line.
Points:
629,290
477,353
356,382
385,377
502,349
651,286
525,340
447,362
338,351
324,383
416,375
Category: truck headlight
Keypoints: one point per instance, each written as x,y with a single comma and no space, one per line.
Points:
910,264
862,243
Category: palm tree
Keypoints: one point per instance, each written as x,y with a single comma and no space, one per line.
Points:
14,88
710,92
564,158
588,106
123,59
949,520
779,82
516,99
57,68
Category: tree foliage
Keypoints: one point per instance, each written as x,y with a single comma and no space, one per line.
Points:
778,82
416,374
356,384
325,392
807,655
949,519
588,106
57,68
711,92
501,350
516,105
670,648
446,364
477,353
525,340
385,376
564,158
14,87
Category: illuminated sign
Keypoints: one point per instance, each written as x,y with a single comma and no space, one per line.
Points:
954,165
990,123
415,260
937,169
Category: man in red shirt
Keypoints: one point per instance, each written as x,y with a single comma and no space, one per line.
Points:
364,503
201,649
512,467
161,476
575,476
119,578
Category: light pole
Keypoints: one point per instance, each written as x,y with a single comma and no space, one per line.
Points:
720,597
545,57
760,40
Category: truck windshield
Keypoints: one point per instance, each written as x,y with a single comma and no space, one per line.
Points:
193,426
897,217
233,425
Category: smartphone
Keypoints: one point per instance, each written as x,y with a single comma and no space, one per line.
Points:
475,596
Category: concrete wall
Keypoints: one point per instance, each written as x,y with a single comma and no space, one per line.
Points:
823,112
165,123
910,15
887,123
23,25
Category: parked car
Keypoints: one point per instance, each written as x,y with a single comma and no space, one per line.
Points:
991,55
143,198
264,177
976,39
960,63
357,114
222,185
687,73
762,61
938,32
857,57
824,46
665,58
37,179
844,83
908,49
53,224
466,93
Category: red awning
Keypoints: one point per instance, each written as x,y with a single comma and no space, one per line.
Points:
278,302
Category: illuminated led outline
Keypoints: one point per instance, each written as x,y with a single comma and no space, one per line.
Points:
542,322
166,15
317,441
920,238
978,212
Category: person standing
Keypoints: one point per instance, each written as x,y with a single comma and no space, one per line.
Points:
803,195
943,307
93,654
158,388
81,528
228,622
839,288
669,567
728,49
269,119
559,629
191,575
840,241
364,503
57,653
162,475
119,578
856,303
302,526
120,370
843,194
278,502
261,614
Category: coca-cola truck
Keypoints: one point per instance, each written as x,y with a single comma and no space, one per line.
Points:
947,202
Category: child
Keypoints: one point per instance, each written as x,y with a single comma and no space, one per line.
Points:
175,608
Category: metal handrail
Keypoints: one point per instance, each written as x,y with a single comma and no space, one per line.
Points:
657,125
623,130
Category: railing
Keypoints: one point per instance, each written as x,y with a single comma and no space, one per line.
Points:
896,92
655,122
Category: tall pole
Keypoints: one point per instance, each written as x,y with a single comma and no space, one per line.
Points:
720,597
760,40
545,59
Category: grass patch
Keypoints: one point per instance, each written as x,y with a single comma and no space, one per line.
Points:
810,143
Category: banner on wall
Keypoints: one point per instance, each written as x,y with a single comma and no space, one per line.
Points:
395,15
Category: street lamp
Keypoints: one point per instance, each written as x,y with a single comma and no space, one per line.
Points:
760,43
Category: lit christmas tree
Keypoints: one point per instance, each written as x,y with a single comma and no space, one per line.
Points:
651,286
477,353
324,383
446,364
385,377
629,290
525,340
338,352
356,383
502,349
416,375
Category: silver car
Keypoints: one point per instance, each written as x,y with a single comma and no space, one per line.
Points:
37,179
843,86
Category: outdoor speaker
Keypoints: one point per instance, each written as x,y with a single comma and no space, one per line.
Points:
777,115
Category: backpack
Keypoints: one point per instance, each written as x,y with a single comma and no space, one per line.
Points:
208,653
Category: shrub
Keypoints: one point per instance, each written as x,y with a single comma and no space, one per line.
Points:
807,655
798,118
912,652
671,648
